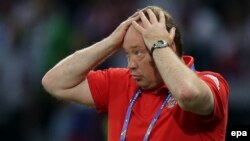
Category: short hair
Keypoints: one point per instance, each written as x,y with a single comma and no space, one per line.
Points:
169,24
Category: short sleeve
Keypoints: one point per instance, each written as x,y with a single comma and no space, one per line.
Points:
105,84
220,90
98,83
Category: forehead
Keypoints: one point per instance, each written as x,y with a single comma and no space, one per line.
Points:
132,39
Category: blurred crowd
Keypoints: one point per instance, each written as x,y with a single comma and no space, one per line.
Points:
36,34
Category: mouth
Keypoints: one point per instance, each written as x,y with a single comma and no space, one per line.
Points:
136,77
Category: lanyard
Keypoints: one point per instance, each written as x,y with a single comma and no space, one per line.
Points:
153,121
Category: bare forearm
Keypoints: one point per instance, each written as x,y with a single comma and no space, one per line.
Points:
191,92
172,70
73,69
184,84
67,80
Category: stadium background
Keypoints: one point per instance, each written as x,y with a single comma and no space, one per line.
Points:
35,34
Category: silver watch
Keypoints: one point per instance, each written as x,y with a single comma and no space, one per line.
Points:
158,44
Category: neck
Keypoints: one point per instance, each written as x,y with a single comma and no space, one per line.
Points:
153,88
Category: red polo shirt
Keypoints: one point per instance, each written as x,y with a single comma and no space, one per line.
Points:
113,88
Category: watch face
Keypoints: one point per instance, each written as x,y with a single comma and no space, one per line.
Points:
160,43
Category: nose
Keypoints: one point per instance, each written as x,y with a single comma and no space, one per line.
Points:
132,64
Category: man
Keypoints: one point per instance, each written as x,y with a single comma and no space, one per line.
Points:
159,97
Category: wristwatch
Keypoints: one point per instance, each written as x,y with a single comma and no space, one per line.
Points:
158,44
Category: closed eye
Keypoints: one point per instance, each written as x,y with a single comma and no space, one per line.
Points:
139,54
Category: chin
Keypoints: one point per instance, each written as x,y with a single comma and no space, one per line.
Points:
141,84
148,86
145,86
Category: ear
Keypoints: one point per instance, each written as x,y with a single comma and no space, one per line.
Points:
173,47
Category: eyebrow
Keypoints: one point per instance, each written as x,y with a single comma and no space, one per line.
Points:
132,47
135,47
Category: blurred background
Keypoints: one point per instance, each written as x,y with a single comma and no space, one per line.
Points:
36,34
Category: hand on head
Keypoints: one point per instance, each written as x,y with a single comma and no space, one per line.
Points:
148,25
153,29
117,36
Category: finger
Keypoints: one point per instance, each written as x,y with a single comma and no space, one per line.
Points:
134,17
152,16
137,26
135,14
129,20
172,33
144,19
125,23
162,17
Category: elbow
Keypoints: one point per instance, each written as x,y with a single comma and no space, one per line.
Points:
195,97
187,96
48,84
45,82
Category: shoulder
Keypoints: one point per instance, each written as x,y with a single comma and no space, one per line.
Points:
110,71
110,74
213,78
